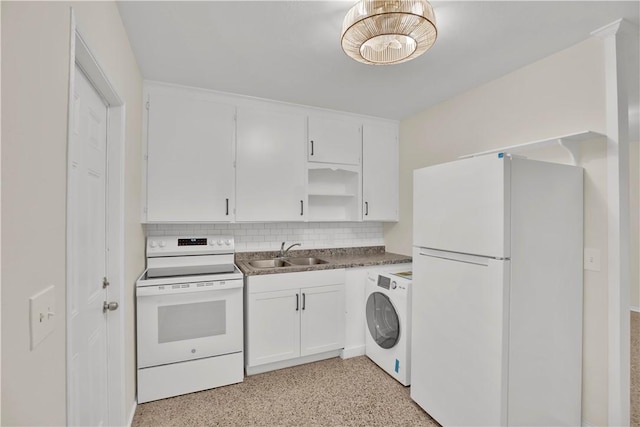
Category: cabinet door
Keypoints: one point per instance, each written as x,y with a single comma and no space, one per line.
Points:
322,319
271,175
273,326
190,158
334,140
380,172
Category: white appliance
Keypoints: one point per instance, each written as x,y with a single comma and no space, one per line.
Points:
497,294
189,317
388,316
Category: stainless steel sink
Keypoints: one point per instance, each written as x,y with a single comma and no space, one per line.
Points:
286,262
305,261
267,263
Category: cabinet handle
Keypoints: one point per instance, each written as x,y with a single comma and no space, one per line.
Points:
312,148
227,212
303,300
301,207
366,208
297,302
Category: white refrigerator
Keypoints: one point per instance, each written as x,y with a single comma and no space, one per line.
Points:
497,292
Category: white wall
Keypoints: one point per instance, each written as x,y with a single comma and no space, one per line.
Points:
561,94
35,84
634,166
634,200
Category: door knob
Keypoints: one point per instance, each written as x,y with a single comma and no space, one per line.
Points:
109,306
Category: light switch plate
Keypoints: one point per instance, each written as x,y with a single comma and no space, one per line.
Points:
42,307
591,259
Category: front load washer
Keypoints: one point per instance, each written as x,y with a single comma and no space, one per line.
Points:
388,317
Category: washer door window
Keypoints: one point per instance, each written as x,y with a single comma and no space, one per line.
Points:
382,320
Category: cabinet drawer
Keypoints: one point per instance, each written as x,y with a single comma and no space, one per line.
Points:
297,280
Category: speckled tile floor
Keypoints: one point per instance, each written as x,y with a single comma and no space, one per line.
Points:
352,392
331,392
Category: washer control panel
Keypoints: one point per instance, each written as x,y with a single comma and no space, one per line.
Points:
389,282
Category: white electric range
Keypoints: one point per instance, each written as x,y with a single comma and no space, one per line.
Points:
189,316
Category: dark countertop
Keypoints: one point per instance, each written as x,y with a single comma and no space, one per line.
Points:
337,258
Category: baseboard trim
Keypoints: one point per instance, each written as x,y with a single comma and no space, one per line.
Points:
587,424
350,352
252,370
132,413
636,309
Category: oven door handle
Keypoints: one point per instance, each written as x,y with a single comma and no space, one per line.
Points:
143,291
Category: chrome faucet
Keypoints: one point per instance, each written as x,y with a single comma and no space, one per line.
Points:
283,251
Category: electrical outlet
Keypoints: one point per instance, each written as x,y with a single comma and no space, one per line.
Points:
591,259
42,307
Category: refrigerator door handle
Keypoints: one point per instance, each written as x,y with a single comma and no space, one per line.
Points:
456,257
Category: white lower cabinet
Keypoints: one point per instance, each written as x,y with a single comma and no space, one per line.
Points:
293,318
274,326
321,319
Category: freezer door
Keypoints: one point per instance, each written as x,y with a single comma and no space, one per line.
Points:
463,206
459,346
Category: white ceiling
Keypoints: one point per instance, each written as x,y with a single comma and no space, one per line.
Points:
290,50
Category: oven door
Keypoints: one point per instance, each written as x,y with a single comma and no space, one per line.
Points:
188,321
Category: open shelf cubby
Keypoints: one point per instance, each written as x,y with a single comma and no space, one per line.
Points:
334,194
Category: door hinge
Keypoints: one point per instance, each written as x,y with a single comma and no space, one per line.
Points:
146,157
105,282
144,209
234,164
148,104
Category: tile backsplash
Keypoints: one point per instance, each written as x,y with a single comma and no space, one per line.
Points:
269,236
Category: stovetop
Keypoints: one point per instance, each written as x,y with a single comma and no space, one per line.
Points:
144,280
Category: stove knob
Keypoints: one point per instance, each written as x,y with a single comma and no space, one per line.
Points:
212,242
219,242
227,242
162,243
152,243
394,285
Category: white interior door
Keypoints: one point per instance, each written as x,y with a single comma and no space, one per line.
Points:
88,378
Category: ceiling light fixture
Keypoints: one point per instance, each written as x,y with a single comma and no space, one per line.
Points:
386,32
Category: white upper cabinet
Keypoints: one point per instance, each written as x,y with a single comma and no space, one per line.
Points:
334,139
380,170
271,173
213,157
190,154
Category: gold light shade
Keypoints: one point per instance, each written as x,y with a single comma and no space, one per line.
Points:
388,31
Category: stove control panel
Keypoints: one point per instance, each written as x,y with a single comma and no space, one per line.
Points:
193,241
189,245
